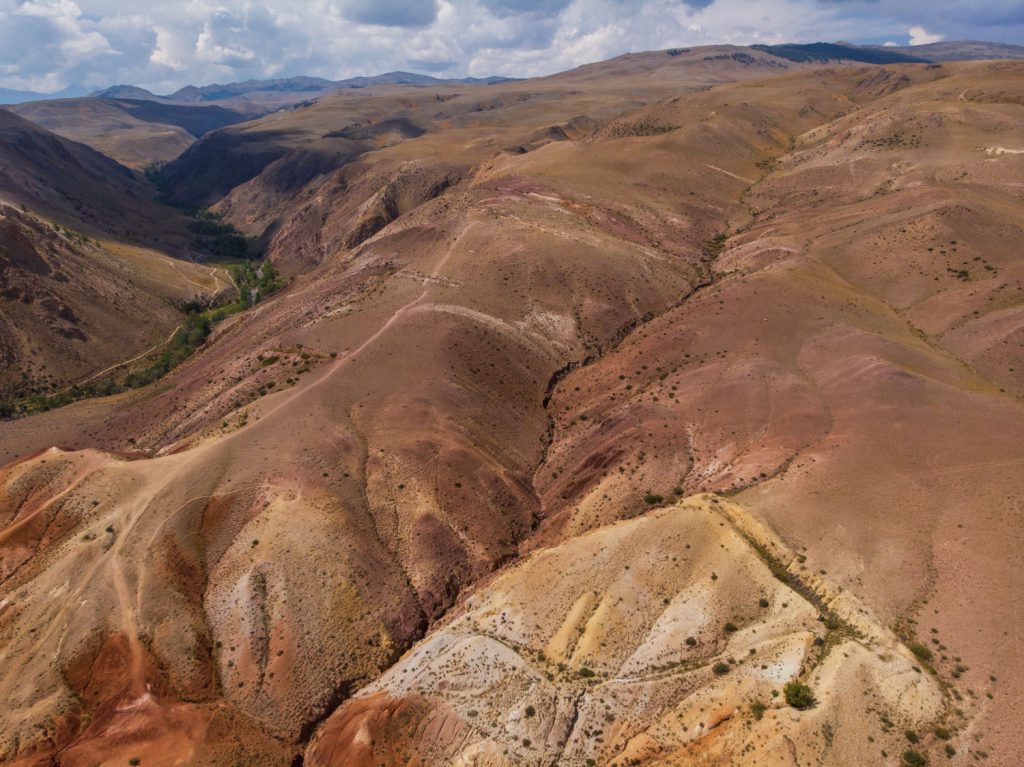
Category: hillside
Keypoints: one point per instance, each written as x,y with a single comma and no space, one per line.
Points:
87,277
134,132
665,411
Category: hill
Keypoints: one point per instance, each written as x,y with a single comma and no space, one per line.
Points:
135,132
826,52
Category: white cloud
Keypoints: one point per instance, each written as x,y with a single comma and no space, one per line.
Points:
921,36
66,23
164,45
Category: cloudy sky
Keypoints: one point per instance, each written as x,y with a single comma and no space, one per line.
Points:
47,45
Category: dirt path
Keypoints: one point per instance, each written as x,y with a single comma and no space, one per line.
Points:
397,315
150,350
217,281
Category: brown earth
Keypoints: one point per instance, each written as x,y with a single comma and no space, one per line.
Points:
523,424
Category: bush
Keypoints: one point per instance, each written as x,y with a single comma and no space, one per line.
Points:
920,651
721,668
757,708
798,695
653,498
731,627
913,758
586,673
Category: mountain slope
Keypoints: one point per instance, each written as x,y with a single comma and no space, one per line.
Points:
83,284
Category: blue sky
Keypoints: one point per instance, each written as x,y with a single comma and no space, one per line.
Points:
46,45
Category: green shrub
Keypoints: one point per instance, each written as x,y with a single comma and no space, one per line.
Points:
798,695
653,498
920,651
721,668
913,758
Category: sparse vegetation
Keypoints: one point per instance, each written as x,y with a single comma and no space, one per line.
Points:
721,668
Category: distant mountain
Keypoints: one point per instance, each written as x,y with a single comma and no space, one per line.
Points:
10,96
956,50
218,92
823,52
287,87
959,50
126,92
409,78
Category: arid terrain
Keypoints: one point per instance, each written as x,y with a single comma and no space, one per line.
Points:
664,411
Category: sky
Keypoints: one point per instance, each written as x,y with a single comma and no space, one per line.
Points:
48,45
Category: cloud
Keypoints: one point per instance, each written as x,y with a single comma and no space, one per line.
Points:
391,13
49,44
921,36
